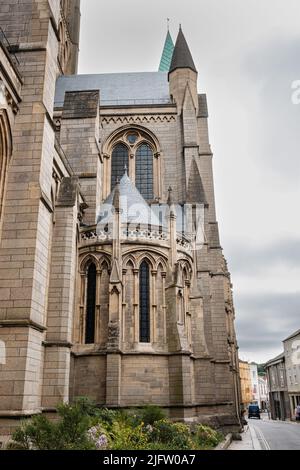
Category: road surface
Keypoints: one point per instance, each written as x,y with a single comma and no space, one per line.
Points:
274,435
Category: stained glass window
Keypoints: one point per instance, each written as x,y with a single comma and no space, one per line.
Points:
90,305
132,138
144,171
144,303
119,160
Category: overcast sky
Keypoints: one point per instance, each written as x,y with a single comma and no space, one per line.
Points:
247,53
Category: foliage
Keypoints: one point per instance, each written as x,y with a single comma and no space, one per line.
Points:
107,416
207,437
83,426
175,434
69,432
126,437
151,413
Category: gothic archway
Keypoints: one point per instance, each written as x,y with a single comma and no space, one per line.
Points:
138,149
5,153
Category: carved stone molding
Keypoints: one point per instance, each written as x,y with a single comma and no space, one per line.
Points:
137,119
6,99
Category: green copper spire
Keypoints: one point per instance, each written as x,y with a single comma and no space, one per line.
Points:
166,57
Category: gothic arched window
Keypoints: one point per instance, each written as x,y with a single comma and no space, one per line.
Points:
144,171
119,160
5,151
144,302
90,305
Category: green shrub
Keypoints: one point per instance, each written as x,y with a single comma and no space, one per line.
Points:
36,433
123,436
161,431
83,426
207,437
170,435
107,416
69,432
151,413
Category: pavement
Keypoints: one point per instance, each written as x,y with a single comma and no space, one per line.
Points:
267,434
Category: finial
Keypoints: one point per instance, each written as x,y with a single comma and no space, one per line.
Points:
168,23
170,198
116,198
179,26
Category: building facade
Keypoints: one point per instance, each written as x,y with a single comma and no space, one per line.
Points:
278,388
292,364
263,392
113,282
254,383
246,384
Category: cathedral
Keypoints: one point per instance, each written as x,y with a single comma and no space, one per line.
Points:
113,283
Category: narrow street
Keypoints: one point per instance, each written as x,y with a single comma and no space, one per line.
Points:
266,434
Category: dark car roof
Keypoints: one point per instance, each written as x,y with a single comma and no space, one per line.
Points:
253,406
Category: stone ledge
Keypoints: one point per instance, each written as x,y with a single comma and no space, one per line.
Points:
224,444
18,414
22,323
58,344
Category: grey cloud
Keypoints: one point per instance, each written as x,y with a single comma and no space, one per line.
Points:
248,259
274,67
263,321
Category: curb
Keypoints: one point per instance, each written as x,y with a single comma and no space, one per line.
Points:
224,444
255,441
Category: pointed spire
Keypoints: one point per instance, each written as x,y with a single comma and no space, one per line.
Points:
116,198
167,53
182,57
170,197
195,190
115,272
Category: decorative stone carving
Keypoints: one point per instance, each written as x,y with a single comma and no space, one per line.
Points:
137,119
3,94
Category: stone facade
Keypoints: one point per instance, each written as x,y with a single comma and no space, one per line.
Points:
292,365
246,385
56,169
278,389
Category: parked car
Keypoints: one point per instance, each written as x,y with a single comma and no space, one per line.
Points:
253,411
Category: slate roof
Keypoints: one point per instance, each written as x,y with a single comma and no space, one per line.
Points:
296,333
118,88
182,57
275,359
134,208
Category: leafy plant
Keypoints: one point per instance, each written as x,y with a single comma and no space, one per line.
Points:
83,426
175,435
151,413
69,432
207,437
125,437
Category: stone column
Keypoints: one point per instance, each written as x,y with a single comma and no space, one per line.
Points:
136,306
98,307
153,310
79,137
55,388
26,216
